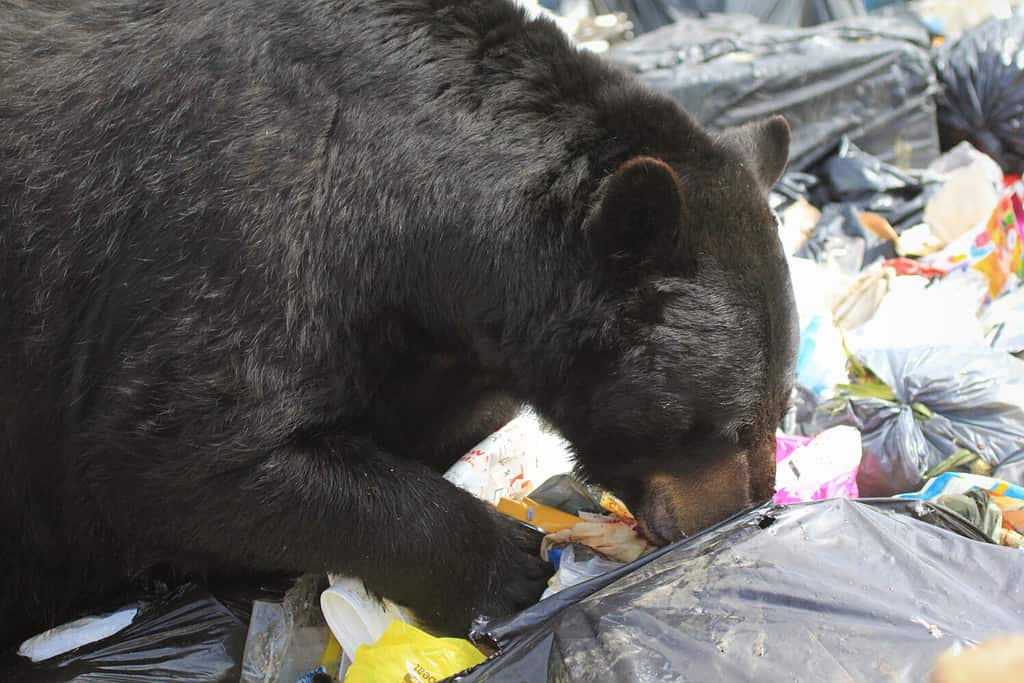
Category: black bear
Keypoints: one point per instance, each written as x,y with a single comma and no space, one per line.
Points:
267,267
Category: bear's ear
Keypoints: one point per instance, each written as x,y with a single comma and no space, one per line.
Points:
638,213
765,144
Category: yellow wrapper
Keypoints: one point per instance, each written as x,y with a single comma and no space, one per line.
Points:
405,654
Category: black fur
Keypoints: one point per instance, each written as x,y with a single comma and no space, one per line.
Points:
268,266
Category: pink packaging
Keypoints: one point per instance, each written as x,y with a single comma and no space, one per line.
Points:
819,468
786,444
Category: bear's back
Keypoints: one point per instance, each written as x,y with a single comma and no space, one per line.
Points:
168,138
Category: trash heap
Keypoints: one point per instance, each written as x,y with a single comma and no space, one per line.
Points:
908,285
900,466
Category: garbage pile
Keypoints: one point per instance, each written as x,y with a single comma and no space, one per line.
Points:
811,582
908,285
900,467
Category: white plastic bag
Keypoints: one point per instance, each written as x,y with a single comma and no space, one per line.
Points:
913,314
860,302
75,634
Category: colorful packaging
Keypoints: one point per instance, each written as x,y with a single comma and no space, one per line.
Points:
962,482
819,468
786,444
995,249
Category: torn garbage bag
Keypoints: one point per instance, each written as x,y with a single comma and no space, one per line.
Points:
836,590
922,411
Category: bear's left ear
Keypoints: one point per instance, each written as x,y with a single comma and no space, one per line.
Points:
765,144
638,213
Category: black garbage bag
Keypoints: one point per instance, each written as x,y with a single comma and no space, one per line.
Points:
648,15
840,224
868,78
799,419
186,636
853,182
791,188
982,98
645,15
952,407
829,591
855,177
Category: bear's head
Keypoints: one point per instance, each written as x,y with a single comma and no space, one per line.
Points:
678,384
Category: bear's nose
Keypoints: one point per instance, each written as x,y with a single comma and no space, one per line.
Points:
657,523
681,504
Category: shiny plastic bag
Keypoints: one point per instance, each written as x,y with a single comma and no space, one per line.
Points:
831,591
982,100
187,636
575,564
869,79
940,408
855,177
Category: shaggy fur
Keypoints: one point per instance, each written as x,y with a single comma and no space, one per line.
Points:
268,266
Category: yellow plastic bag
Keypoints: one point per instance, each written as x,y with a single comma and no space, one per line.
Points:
405,654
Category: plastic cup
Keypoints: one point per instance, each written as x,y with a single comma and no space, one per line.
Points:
354,616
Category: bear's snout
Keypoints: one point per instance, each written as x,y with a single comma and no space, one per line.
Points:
679,505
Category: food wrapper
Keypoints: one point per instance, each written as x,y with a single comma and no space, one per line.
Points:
511,462
612,539
617,508
405,654
547,519
962,482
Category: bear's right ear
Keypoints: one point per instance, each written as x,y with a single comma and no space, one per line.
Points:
638,214
765,144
